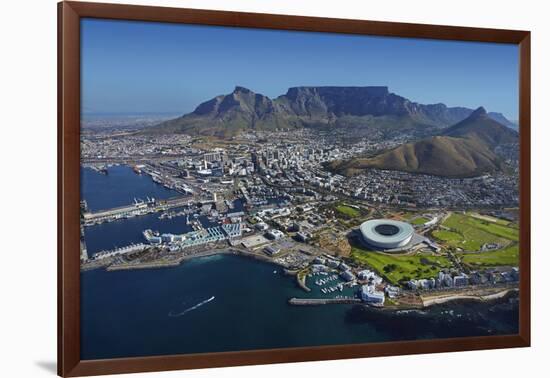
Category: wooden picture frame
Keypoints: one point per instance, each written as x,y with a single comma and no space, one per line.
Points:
69,15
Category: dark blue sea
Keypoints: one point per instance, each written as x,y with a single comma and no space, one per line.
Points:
230,303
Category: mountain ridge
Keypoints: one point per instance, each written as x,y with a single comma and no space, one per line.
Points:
357,108
465,149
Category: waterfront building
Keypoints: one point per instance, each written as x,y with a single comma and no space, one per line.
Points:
271,250
347,275
369,294
155,240
392,291
460,280
448,280
365,274
167,238
343,267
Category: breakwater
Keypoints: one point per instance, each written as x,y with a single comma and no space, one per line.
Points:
322,301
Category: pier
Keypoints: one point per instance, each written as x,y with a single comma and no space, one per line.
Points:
322,301
136,209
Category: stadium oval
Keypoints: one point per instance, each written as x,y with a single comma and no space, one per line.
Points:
386,233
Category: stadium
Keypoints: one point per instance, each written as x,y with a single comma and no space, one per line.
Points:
387,234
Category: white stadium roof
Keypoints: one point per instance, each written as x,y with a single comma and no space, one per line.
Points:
386,233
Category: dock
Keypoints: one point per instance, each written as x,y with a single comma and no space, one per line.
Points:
136,209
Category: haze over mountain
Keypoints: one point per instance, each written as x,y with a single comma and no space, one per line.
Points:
351,108
463,150
504,121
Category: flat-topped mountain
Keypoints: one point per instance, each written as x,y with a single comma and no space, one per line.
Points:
463,150
353,108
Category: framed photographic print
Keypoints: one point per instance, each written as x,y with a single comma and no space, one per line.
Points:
239,188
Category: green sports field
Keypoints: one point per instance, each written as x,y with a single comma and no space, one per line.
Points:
503,257
348,211
469,233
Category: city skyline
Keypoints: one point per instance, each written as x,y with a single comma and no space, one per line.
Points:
139,67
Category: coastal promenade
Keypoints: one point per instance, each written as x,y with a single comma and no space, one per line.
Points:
440,299
426,301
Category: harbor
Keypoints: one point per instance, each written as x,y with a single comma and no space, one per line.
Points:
174,232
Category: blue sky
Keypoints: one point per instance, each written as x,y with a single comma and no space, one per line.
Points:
141,67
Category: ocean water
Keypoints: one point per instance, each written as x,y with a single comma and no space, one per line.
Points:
171,311
231,303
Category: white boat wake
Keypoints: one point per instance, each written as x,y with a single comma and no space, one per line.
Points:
176,315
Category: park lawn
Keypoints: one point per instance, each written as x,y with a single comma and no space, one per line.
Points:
474,232
404,266
419,221
503,257
506,232
349,211
448,236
